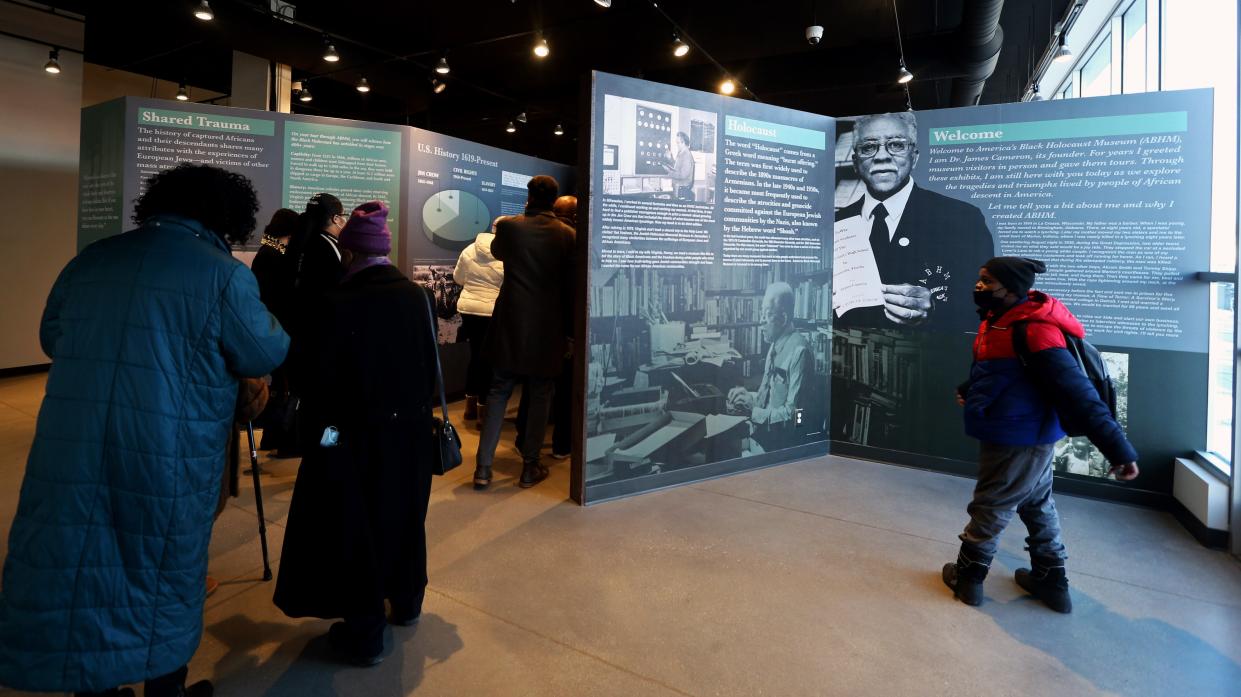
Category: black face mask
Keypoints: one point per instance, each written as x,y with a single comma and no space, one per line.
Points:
987,300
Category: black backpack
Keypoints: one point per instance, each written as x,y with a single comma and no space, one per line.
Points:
1089,360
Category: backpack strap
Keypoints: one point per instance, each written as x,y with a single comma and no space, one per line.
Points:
1021,343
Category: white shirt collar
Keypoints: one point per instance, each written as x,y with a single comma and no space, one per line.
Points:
334,242
894,205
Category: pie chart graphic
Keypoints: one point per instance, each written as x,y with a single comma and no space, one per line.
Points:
452,218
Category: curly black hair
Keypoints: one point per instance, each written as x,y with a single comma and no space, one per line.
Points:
224,202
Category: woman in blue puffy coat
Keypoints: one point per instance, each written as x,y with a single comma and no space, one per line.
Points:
149,332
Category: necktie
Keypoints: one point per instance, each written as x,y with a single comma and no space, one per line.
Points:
879,237
764,390
880,244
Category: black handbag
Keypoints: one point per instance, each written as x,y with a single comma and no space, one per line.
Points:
447,454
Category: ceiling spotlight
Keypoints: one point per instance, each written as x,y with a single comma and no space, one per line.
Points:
53,62
521,118
363,86
541,49
305,94
438,85
442,66
904,75
330,55
603,3
679,48
1063,54
183,95
511,128
1035,96
559,130
728,86
203,11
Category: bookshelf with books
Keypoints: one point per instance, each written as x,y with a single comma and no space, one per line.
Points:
877,371
642,292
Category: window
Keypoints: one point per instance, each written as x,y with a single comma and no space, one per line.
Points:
1144,45
1133,56
1221,366
1096,74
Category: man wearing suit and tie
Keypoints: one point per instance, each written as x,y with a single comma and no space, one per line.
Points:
928,247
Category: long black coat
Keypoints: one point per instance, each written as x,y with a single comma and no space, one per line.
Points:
533,314
274,271
356,532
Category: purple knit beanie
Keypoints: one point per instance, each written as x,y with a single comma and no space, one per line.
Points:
367,230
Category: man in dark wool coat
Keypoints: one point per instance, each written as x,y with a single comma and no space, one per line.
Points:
356,534
530,326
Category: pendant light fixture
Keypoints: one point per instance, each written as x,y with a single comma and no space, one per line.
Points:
329,54
728,86
438,86
511,128
541,49
52,65
679,48
521,117
363,86
203,11
183,94
903,76
1063,54
442,66
304,95
559,130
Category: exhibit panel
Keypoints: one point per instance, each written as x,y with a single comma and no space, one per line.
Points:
441,191
1113,193
709,291
456,189
289,158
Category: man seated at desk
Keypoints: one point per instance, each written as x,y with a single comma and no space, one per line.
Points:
784,388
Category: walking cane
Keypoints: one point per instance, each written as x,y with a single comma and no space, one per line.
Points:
258,499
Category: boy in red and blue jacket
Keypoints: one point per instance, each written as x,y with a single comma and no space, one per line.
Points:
1011,408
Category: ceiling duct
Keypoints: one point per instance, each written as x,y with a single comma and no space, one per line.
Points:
978,41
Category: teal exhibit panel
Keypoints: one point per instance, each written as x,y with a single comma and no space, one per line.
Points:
1113,193
441,191
456,189
709,287
356,162
288,157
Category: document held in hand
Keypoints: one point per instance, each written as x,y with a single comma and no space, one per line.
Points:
855,276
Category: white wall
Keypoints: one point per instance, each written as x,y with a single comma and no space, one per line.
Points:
39,117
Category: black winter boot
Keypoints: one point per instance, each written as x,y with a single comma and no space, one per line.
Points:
482,477
965,577
471,408
1048,583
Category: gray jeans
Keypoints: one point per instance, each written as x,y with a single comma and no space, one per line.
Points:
502,386
1014,478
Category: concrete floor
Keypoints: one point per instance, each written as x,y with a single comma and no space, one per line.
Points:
815,578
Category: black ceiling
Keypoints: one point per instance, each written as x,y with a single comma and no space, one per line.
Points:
494,74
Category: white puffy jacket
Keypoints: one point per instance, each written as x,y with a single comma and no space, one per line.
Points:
480,275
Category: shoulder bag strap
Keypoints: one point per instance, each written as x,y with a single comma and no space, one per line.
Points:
435,348
1021,344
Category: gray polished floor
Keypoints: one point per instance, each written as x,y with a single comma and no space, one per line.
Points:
816,578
